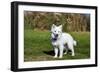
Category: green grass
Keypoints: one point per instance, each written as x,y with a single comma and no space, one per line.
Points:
37,46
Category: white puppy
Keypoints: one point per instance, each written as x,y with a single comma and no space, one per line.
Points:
60,40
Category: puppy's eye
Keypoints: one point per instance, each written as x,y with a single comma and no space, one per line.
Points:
54,31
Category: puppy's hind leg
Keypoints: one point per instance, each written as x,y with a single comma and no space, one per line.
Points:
66,51
73,54
66,48
71,47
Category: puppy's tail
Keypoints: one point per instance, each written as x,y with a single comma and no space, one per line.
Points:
75,43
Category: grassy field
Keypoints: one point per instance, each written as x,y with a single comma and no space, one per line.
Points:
37,46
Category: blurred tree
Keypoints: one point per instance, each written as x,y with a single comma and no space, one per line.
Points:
44,20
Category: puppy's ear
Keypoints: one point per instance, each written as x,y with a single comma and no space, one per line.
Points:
53,26
60,27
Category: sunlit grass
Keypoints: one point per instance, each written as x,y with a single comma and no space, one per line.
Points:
37,46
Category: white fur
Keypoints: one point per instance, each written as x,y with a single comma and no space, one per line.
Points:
61,40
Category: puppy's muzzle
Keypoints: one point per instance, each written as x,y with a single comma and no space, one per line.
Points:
56,35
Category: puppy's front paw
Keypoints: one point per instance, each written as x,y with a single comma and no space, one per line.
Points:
73,54
60,57
65,53
55,56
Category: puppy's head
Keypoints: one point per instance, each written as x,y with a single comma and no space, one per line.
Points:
56,31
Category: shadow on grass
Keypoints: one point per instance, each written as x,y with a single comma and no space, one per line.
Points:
51,53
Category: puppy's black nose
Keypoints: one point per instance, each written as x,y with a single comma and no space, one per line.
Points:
56,35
